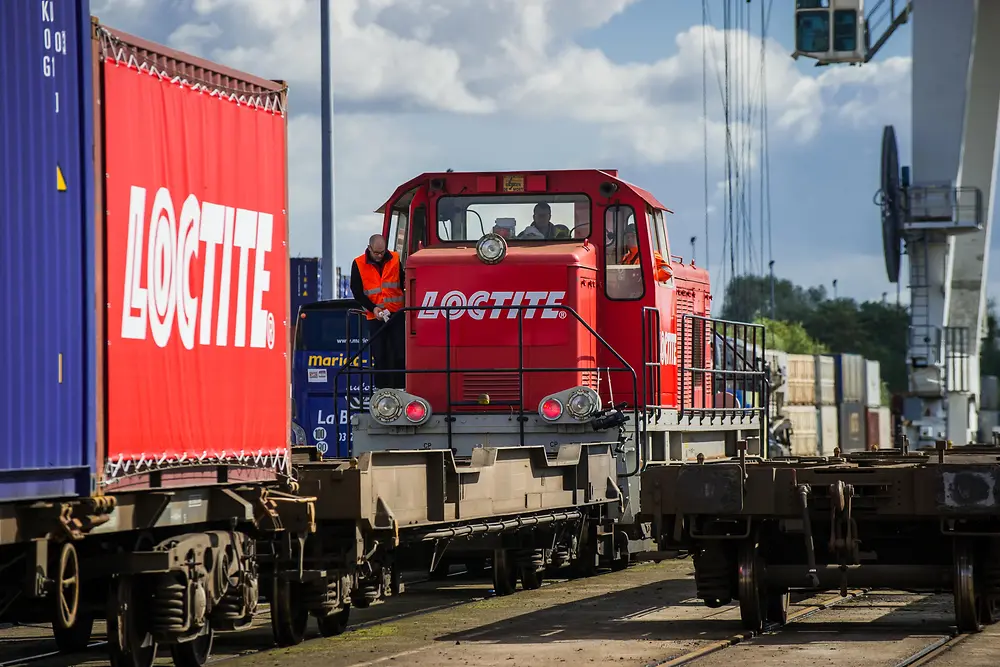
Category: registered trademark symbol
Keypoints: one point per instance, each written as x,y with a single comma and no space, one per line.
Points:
270,331
562,314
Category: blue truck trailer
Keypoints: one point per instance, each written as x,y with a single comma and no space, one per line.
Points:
328,335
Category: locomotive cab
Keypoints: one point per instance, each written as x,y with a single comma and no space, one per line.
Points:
511,285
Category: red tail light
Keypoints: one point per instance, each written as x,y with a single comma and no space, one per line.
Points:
551,409
415,411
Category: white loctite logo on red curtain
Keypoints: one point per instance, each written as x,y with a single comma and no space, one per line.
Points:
458,299
159,294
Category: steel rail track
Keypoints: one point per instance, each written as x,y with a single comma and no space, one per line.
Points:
933,651
263,613
720,645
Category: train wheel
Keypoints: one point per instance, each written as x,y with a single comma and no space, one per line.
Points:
336,623
126,626
77,638
66,595
968,603
622,555
395,581
531,579
752,592
194,653
289,617
532,568
504,573
585,563
778,602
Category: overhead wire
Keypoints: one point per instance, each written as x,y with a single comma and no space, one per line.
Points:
743,93
704,122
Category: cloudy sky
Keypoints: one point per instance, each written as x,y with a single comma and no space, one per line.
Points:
424,85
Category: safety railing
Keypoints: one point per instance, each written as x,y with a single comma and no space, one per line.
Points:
652,362
449,371
721,369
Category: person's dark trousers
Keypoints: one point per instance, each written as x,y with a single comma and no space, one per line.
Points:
388,344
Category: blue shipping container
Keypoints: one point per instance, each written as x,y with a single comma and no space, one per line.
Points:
328,337
850,378
306,280
47,409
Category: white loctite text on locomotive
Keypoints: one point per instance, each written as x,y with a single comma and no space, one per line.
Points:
458,299
668,348
159,294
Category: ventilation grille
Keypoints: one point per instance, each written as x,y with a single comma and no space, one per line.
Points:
500,386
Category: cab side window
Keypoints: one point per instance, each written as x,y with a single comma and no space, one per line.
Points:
622,259
660,242
418,233
396,241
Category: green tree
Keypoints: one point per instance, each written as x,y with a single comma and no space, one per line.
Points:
989,357
790,337
806,320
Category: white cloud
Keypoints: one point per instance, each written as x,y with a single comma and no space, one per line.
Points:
486,84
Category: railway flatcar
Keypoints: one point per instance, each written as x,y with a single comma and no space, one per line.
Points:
922,521
144,460
555,351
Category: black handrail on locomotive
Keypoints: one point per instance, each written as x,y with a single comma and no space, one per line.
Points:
600,420
650,342
734,378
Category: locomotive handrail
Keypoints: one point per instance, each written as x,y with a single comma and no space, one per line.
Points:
744,343
349,369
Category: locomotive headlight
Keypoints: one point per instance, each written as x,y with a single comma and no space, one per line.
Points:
582,403
491,249
385,406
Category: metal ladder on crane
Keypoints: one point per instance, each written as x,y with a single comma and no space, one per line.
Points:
923,337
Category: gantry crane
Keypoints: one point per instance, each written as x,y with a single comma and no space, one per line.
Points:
941,208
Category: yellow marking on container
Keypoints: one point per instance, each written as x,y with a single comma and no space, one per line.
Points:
60,180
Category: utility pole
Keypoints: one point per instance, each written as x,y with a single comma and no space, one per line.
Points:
326,113
770,266
834,289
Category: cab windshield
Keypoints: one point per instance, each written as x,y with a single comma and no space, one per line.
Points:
532,218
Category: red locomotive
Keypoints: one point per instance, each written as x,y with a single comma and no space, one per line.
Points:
546,308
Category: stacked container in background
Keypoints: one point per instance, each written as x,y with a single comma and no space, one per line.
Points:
833,401
849,371
877,422
800,404
778,361
885,425
826,404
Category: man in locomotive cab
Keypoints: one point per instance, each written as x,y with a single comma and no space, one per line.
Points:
541,226
377,284
631,241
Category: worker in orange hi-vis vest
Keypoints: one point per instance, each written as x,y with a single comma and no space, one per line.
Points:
377,284
661,271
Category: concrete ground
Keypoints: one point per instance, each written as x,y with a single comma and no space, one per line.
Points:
643,616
